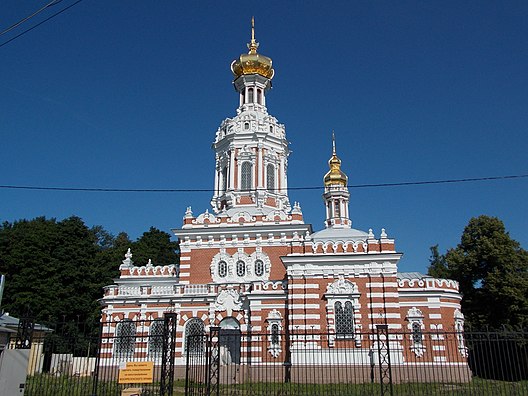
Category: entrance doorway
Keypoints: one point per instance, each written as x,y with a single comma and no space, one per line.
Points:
229,340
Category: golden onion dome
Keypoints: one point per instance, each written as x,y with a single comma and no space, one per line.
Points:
252,63
335,175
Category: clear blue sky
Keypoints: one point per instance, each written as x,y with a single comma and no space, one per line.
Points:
129,94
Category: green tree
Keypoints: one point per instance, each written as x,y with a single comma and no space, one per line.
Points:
492,271
437,264
49,268
157,246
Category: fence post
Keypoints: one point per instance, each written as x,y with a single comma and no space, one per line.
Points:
213,357
168,354
385,370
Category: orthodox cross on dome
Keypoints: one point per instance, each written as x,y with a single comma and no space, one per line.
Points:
333,143
253,45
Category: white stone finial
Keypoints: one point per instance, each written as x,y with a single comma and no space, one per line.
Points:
296,208
128,258
188,212
370,234
149,264
383,233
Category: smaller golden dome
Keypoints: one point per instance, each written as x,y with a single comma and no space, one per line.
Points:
335,175
252,63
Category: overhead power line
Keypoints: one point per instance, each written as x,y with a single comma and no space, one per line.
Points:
14,25
189,190
38,24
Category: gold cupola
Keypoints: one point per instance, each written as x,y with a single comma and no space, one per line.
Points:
335,175
252,63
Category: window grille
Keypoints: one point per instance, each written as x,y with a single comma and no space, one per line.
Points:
270,177
259,267
156,338
240,268
194,336
344,319
246,176
275,334
125,340
417,335
222,269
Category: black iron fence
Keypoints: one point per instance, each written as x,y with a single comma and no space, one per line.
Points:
146,357
378,363
123,358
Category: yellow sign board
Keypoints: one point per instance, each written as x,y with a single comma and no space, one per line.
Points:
136,373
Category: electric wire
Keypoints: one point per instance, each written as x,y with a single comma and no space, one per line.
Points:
40,23
29,17
192,190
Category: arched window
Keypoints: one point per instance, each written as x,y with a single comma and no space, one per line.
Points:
155,344
125,339
344,319
337,210
270,177
195,336
224,179
271,128
251,98
222,269
246,176
259,267
240,268
246,125
416,325
259,96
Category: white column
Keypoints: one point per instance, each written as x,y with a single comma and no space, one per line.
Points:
231,181
217,179
282,175
260,161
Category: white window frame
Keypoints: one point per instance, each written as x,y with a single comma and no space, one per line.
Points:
343,291
459,332
416,327
274,320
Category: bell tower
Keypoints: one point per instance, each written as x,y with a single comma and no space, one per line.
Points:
336,195
251,148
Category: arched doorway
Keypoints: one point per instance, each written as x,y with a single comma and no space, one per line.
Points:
229,341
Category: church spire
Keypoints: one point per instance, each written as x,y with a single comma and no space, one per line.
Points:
336,193
335,175
253,45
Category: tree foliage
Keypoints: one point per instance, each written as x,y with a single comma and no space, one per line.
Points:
55,270
492,271
155,245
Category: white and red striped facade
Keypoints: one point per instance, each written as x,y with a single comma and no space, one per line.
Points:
253,259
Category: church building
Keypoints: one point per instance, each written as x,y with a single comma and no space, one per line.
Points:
251,263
